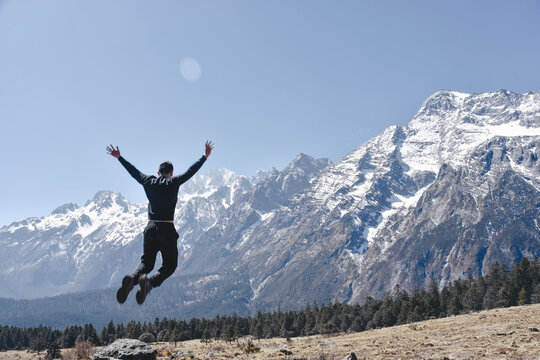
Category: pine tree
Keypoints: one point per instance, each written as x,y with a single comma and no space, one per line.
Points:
357,324
345,322
310,323
173,335
104,336
205,337
90,334
120,331
494,282
490,298
474,296
415,315
524,276
524,297
433,303
535,297
111,330
285,330
228,333
3,341
403,313
53,352
455,305
257,330
444,300
133,330
39,342
509,293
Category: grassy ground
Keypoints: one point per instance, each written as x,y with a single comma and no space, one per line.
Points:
495,334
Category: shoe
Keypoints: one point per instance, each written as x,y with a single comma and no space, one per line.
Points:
144,288
123,292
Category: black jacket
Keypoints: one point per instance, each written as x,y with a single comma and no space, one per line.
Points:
162,193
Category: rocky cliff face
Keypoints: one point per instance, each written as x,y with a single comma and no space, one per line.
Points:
470,217
449,193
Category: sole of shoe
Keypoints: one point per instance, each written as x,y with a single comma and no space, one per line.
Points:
140,297
141,294
123,292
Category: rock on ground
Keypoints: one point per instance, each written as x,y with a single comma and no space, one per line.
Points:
126,349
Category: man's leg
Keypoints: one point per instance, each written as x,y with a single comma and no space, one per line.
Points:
169,253
167,237
150,250
150,246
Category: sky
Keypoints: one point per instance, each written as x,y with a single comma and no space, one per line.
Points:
265,80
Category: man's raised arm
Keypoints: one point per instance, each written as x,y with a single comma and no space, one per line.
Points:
136,174
209,146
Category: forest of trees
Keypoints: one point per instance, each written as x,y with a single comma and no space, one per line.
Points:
501,288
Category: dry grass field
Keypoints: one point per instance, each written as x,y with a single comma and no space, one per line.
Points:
510,333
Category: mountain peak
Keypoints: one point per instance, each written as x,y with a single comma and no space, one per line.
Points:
442,101
307,163
259,176
209,182
103,195
447,100
64,209
300,160
106,198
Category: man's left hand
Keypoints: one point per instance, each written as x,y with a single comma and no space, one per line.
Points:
208,148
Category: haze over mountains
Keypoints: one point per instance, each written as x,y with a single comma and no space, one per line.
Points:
445,195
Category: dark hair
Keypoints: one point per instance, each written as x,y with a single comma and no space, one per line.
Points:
165,167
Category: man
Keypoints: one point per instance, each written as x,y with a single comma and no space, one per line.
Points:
160,234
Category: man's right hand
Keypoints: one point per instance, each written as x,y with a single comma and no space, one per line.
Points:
112,151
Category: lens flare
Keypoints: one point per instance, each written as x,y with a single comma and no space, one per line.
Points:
190,69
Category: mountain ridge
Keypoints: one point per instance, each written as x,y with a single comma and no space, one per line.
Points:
428,199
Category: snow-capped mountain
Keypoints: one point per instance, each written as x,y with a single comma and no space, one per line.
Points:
95,245
400,209
449,193
250,213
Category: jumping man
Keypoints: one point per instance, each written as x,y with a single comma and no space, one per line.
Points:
160,234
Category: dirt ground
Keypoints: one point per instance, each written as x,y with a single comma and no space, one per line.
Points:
510,333
495,334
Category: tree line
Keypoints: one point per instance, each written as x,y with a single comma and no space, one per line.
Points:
500,288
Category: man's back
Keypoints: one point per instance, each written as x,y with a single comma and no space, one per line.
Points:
162,192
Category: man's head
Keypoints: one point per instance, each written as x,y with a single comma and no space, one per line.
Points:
165,169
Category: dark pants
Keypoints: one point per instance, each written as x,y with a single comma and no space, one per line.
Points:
158,236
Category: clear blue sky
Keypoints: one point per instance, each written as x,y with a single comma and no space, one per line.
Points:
277,78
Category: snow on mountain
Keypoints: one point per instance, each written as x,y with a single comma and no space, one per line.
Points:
450,124
452,191
55,253
95,245
203,201
255,208
205,185
448,127
471,216
334,234
386,178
